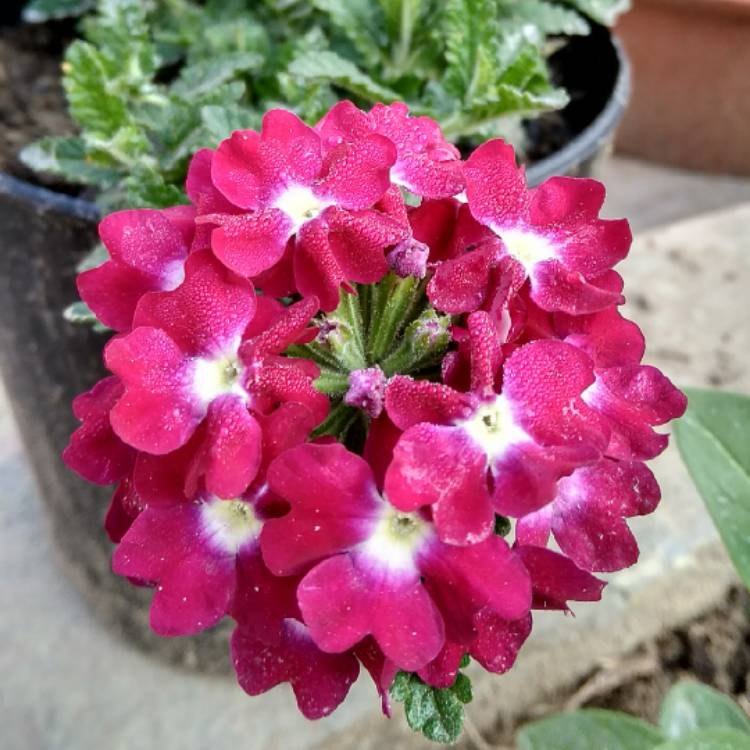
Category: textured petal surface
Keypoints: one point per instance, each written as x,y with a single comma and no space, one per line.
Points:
320,681
207,313
94,451
333,502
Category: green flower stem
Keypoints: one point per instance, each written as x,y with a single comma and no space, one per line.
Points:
423,344
332,383
337,423
396,303
316,353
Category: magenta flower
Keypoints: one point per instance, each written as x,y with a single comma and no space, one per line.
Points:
148,249
395,579
550,235
289,185
196,555
426,164
587,516
190,362
336,472
469,455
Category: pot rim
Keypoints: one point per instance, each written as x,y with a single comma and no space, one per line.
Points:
578,150
596,134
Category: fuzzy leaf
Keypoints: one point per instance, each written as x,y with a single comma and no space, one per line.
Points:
206,75
470,30
328,67
220,122
589,730
541,18
88,85
437,713
360,21
691,706
41,11
68,158
146,188
714,440
604,11
710,739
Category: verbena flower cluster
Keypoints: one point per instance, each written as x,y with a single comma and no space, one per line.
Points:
358,385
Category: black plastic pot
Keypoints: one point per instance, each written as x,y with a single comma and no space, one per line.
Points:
46,361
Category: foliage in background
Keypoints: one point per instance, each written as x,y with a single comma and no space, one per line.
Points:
714,440
151,81
692,717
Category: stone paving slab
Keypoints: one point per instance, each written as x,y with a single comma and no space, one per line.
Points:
69,685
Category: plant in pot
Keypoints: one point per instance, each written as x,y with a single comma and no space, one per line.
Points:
151,83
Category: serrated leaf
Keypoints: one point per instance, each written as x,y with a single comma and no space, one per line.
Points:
714,441
691,706
87,82
470,35
68,158
41,11
604,11
361,22
146,188
437,713
589,730
542,18
206,75
220,122
328,67
462,687
710,739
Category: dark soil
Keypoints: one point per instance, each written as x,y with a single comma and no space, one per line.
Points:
32,102
713,649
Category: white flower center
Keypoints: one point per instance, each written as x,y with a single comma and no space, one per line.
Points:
174,275
300,204
526,247
230,523
216,377
396,538
494,428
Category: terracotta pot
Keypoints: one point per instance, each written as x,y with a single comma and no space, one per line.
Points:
691,83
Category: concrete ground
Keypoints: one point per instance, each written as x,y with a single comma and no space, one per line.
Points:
68,685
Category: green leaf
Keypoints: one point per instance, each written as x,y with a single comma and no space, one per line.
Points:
714,440
470,32
589,730
690,706
206,75
603,11
40,11
146,188
437,713
361,22
710,739
220,122
80,313
88,76
542,18
328,67
68,157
